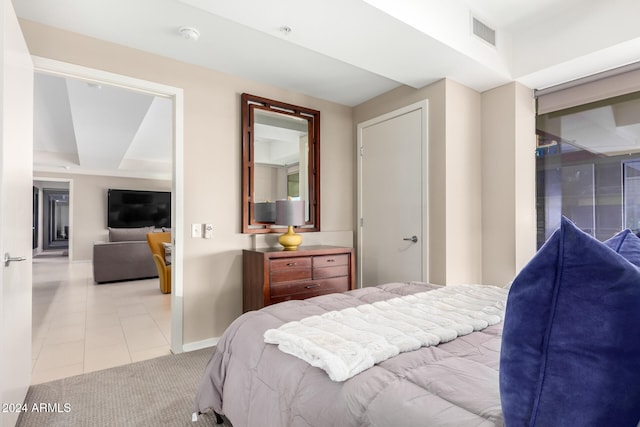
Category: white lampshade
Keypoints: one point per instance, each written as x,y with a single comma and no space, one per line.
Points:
290,212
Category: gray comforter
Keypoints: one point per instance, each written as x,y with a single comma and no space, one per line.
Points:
255,384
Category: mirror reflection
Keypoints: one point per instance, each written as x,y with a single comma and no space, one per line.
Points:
281,150
281,159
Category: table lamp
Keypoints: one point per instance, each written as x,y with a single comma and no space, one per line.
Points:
290,213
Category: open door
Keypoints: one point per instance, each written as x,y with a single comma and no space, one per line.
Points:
16,174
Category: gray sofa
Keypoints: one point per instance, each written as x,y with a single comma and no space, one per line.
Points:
126,256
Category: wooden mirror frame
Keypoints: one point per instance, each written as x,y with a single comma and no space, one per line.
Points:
249,104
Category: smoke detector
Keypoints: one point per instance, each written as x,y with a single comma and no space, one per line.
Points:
189,33
286,30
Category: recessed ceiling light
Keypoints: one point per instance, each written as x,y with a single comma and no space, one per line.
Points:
189,33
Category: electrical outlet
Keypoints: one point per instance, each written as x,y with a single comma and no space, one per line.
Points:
196,230
208,231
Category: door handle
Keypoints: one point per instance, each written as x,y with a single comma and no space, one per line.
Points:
413,239
8,259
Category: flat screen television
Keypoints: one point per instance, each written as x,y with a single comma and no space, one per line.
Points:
135,208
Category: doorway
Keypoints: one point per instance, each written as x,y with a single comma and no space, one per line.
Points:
35,217
52,233
393,197
98,77
56,219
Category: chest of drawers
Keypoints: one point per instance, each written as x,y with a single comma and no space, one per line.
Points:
273,275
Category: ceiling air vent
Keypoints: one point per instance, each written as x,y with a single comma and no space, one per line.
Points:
484,31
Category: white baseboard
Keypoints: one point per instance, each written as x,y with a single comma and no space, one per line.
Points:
198,345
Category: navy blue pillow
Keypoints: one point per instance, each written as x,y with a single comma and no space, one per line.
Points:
626,244
571,339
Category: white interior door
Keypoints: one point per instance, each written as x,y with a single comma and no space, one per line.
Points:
16,145
392,193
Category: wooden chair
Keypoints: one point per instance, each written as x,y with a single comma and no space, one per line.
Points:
156,241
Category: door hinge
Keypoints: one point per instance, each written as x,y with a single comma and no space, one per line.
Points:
361,222
361,150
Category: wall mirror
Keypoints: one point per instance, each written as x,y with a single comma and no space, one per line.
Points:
280,159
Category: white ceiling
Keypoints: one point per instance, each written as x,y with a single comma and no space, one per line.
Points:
349,51
83,127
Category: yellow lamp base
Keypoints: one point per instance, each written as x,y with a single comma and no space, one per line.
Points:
290,240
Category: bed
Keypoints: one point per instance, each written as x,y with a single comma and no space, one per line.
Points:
254,383
566,353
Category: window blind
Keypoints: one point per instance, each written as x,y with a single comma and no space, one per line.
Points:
607,84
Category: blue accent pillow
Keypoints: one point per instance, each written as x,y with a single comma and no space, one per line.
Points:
571,338
626,244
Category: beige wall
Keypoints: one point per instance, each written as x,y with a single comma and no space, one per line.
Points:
89,206
525,176
508,181
463,179
212,160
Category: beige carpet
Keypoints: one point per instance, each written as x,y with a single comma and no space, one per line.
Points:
156,392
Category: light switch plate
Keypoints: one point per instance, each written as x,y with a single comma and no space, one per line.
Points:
196,230
208,231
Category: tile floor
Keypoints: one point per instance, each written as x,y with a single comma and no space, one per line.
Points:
81,327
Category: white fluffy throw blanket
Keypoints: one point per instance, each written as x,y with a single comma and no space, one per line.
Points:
346,342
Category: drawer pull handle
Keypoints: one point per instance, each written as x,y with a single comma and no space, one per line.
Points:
291,264
331,260
313,285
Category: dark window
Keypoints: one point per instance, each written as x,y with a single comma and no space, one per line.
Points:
588,167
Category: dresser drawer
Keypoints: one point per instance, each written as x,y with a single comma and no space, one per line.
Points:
290,274
301,290
330,260
336,271
286,263
290,269
294,288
